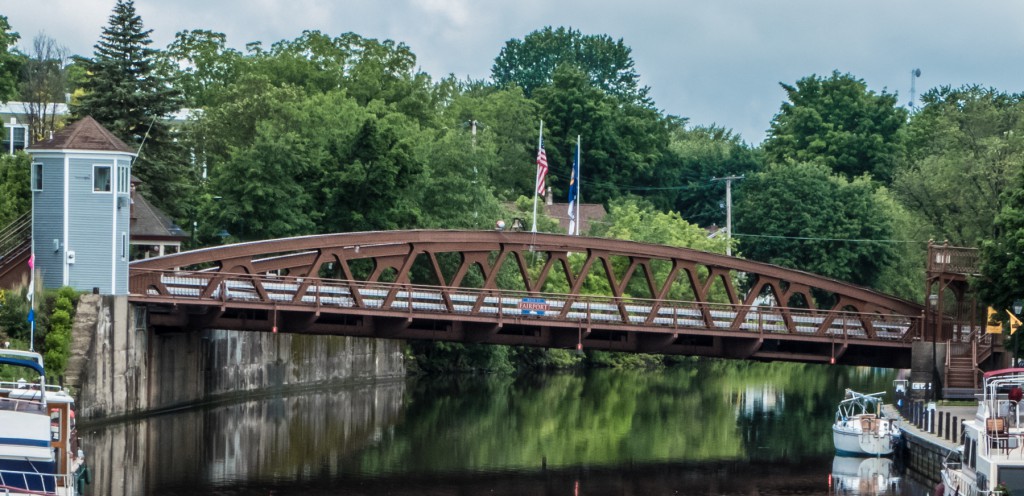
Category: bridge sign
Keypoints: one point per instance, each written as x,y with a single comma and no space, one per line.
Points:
535,306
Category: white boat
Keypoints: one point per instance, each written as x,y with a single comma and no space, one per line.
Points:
37,434
860,429
864,476
991,458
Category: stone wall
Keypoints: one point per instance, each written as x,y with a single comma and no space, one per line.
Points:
120,367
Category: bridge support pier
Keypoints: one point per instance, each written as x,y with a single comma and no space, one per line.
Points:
927,370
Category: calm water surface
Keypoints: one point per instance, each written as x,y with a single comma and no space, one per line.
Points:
710,428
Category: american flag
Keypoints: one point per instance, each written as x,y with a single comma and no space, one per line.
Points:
542,169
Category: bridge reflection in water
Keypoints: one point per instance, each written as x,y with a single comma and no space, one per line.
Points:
707,427
271,437
527,289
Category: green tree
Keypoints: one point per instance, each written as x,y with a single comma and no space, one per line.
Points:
126,94
504,120
682,181
530,63
15,195
622,142
324,163
13,314
802,216
635,219
455,191
1002,256
902,276
840,123
368,69
966,146
202,65
10,61
57,340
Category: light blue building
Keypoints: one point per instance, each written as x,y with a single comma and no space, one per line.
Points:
81,208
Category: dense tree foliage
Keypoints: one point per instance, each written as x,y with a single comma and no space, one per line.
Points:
623,142
682,180
503,119
15,196
801,215
10,61
840,123
57,338
201,65
126,93
530,63
966,146
1002,263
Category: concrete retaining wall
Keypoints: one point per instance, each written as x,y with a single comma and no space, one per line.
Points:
119,367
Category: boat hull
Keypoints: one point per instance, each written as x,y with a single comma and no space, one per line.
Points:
852,442
954,481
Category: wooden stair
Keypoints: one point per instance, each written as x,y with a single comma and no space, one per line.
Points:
961,377
15,249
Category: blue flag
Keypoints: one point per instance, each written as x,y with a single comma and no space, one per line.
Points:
31,315
574,193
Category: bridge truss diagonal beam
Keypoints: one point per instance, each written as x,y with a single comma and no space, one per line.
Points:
471,285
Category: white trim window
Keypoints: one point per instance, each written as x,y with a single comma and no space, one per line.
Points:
37,176
16,137
123,178
101,178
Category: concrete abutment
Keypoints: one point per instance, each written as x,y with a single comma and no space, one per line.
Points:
119,367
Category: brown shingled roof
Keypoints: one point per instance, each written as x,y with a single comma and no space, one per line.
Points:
151,224
86,134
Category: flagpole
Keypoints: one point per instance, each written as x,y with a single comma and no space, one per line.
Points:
32,300
536,182
579,194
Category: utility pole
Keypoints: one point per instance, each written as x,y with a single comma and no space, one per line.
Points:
728,209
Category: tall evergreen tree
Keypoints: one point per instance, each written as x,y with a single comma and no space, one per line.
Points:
126,94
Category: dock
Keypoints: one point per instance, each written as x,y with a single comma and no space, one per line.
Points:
929,433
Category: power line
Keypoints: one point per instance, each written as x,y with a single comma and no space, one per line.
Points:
806,238
662,188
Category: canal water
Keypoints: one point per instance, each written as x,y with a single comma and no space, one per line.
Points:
706,428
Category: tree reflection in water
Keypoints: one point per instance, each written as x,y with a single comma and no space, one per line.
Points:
708,427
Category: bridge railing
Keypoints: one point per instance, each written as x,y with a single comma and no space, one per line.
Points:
351,296
953,259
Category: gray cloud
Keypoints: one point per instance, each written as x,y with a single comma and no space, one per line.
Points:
714,62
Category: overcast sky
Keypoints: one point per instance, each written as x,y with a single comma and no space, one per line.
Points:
713,61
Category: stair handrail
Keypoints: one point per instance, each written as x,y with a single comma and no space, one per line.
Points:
949,361
15,234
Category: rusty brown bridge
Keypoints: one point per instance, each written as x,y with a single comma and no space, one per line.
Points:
532,289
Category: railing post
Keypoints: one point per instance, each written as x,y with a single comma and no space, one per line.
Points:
948,426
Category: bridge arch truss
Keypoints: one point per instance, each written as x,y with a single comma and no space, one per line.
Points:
529,289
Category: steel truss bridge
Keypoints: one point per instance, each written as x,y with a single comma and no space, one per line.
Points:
532,289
